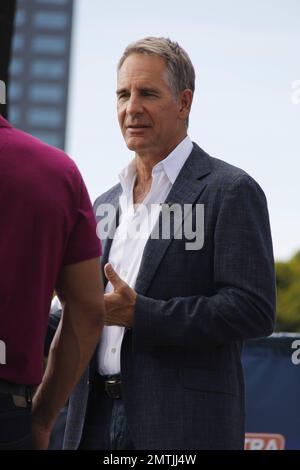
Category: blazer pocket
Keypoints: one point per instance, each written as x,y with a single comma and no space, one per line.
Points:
218,381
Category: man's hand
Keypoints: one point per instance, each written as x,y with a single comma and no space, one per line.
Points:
40,435
120,303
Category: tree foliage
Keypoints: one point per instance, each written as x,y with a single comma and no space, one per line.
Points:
288,294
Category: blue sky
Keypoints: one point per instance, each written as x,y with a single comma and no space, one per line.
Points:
246,55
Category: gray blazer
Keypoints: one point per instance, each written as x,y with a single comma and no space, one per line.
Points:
181,366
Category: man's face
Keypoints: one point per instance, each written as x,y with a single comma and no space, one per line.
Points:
151,119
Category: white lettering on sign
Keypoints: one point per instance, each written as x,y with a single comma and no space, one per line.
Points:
261,441
296,354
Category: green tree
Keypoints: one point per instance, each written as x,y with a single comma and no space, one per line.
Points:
288,294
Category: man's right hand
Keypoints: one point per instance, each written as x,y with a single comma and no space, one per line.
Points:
40,435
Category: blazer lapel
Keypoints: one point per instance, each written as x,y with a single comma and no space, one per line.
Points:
186,190
113,199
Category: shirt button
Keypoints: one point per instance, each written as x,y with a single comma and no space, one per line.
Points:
114,350
124,273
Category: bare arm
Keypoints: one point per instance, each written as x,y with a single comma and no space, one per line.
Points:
80,289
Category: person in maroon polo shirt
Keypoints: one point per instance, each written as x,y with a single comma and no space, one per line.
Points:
48,241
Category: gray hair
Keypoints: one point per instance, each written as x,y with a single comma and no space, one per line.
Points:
181,73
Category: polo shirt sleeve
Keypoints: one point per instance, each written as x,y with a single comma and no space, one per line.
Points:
83,243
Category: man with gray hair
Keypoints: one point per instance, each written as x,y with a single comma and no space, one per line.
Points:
167,373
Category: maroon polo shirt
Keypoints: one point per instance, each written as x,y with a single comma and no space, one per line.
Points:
46,222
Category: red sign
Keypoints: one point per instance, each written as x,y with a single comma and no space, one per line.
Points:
260,441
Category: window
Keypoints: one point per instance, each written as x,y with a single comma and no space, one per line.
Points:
16,66
15,91
18,42
52,2
50,44
14,115
51,20
20,17
47,69
41,117
46,93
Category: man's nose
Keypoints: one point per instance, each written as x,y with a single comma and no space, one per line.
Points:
134,105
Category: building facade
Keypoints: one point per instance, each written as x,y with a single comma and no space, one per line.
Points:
39,69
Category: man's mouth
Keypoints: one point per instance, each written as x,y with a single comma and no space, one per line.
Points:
137,126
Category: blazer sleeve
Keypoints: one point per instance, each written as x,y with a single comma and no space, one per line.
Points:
243,305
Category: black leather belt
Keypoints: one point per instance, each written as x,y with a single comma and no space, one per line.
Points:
110,384
21,394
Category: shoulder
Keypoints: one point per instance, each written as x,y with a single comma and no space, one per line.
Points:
234,186
44,169
20,143
224,176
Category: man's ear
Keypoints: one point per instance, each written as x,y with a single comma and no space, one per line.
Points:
185,100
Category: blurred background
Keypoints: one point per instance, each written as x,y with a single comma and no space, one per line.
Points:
246,110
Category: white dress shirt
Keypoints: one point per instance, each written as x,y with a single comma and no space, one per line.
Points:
131,237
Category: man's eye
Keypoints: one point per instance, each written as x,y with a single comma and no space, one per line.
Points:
123,96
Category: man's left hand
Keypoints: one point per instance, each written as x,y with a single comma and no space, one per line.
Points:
120,303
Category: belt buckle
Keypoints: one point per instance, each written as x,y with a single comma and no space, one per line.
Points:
19,401
113,388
